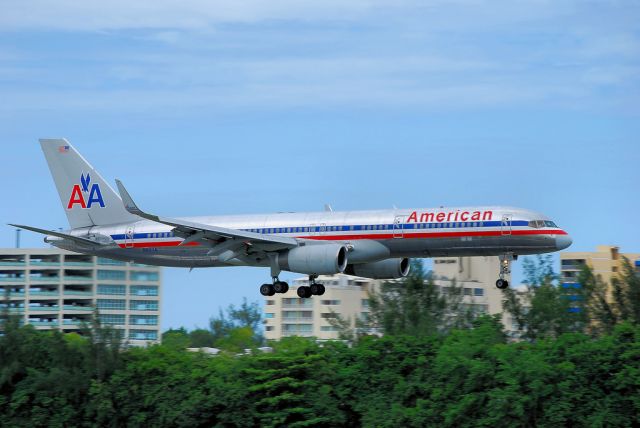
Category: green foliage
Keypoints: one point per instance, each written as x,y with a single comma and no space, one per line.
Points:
610,304
415,306
467,377
546,309
231,329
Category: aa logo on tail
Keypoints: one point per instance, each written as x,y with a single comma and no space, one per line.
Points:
79,190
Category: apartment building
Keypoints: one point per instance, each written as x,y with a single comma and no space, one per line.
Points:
57,289
288,315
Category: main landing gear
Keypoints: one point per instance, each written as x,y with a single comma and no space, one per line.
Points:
277,287
313,289
505,269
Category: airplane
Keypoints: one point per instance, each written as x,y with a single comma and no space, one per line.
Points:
372,244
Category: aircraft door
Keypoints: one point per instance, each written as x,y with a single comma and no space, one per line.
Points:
398,226
505,224
128,237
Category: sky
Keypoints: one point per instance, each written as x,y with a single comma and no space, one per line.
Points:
230,107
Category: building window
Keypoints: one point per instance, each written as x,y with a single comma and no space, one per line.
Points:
112,319
143,276
364,303
269,328
330,302
112,304
328,328
117,290
478,292
329,315
143,334
269,315
297,328
144,290
467,291
143,305
271,302
143,320
119,275
110,262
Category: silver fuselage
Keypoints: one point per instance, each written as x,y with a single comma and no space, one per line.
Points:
369,235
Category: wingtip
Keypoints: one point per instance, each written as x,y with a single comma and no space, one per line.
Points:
127,200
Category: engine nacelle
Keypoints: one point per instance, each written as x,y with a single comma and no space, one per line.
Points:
384,269
321,259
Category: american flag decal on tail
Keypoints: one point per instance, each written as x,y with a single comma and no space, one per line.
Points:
63,149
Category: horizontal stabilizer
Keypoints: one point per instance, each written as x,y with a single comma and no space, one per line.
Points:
77,239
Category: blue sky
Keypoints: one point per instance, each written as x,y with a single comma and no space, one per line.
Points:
208,107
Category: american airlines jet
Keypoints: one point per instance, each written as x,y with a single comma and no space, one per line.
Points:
372,244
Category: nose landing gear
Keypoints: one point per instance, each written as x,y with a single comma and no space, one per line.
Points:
505,269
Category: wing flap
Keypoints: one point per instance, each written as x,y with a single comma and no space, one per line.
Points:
198,231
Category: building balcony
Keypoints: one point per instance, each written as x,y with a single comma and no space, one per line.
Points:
72,323
78,278
78,293
43,293
38,323
54,308
68,308
11,279
295,333
297,319
44,279
42,263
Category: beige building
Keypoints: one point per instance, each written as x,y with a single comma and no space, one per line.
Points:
57,289
348,296
606,262
477,275
288,315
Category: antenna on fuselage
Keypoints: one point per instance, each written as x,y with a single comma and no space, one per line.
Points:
327,208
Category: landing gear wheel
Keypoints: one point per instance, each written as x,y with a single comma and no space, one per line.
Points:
304,292
267,290
281,287
502,284
317,289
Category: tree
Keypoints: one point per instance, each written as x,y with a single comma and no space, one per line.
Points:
416,306
610,304
546,310
232,328
176,338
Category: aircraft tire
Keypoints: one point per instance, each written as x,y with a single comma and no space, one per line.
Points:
502,284
281,287
317,289
304,292
267,290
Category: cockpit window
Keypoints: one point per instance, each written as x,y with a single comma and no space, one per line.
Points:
541,223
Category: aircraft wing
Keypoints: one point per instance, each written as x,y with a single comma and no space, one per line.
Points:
199,231
77,239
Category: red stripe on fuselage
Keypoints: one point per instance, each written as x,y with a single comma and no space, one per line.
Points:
405,235
413,235
156,244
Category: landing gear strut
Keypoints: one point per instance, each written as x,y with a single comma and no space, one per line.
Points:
313,289
505,269
277,287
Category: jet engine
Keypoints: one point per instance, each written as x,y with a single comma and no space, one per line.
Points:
384,269
321,259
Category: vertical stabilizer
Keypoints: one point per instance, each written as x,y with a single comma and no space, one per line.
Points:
86,198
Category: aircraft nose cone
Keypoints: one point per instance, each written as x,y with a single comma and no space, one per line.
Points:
563,241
